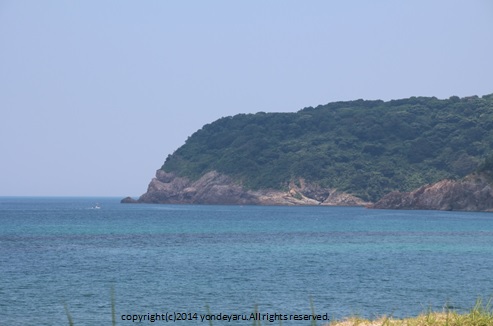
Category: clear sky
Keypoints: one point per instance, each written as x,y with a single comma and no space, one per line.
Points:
95,94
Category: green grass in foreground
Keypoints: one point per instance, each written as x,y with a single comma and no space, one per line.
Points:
480,315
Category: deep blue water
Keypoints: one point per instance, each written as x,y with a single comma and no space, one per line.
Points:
57,252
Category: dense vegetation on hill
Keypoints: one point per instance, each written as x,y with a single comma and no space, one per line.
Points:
367,148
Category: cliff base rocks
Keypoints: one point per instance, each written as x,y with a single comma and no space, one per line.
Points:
216,188
472,193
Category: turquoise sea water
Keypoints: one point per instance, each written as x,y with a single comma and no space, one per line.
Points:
179,258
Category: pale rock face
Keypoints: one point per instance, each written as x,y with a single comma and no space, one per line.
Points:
472,193
217,188
337,198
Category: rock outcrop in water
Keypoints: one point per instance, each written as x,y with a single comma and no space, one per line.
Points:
472,193
217,188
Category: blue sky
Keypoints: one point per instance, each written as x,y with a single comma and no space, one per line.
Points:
95,94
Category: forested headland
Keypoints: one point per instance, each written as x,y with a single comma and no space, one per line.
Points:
366,148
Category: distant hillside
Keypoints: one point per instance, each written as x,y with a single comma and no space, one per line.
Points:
365,148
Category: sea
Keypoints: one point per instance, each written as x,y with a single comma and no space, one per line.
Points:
94,261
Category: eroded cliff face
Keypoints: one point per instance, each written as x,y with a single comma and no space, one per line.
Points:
216,188
211,188
472,193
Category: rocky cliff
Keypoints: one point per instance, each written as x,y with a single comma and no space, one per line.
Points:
472,193
217,188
